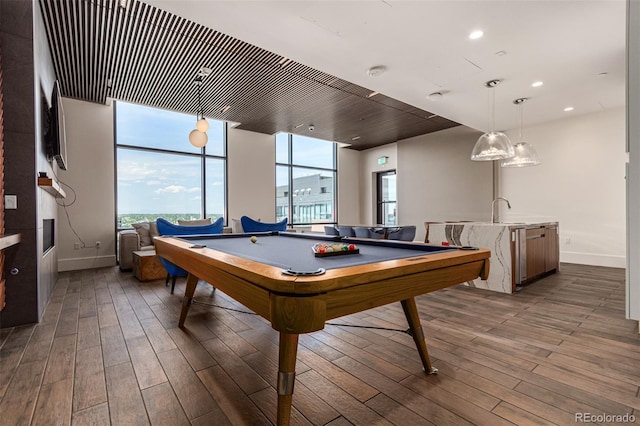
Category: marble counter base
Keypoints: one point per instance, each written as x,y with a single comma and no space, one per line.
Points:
495,237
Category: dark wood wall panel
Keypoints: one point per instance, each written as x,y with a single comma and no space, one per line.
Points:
2,271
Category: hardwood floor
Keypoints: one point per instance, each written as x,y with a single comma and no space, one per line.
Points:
108,351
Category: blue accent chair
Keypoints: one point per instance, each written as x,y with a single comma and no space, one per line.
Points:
366,232
167,228
402,233
346,231
331,230
251,225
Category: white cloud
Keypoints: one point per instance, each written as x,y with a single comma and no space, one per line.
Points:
175,189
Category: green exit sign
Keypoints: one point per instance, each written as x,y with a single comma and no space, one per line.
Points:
382,160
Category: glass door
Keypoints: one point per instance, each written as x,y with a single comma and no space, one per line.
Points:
386,198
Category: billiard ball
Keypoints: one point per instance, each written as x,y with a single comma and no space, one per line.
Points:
254,239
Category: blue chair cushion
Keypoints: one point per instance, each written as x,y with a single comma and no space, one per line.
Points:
250,225
167,228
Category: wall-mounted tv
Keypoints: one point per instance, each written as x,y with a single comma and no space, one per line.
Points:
56,140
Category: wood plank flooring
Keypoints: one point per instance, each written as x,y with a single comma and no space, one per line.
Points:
108,351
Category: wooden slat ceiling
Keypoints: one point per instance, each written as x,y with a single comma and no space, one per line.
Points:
144,55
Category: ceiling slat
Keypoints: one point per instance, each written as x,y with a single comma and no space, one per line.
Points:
151,57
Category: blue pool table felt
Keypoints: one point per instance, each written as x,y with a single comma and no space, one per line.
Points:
294,251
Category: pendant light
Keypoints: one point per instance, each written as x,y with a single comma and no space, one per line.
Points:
526,154
198,136
492,145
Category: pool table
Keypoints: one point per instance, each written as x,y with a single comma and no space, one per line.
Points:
280,278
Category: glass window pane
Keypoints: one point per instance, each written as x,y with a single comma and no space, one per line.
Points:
154,128
215,184
389,215
312,195
215,144
312,152
154,184
388,187
282,148
282,192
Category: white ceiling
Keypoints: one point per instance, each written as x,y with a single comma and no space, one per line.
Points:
425,47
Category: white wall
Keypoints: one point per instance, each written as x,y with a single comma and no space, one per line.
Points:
368,168
90,174
437,181
580,183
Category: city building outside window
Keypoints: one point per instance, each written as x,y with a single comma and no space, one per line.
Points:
306,173
160,174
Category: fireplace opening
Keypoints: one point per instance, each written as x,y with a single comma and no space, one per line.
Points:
48,235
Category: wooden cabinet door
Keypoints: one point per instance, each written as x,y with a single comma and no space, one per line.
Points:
535,252
551,248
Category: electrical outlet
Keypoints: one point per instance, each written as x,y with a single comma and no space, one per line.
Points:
98,243
76,246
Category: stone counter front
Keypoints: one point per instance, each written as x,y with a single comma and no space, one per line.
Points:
496,237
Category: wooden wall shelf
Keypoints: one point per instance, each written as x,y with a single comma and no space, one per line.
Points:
52,187
9,240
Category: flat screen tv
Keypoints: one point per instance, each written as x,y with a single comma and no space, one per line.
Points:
56,140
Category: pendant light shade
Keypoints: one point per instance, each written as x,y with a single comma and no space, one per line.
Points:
492,145
198,138
202,125
525,154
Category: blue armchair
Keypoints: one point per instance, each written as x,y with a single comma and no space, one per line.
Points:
251,225
402,233
167,228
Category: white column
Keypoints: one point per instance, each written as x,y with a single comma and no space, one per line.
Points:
633,167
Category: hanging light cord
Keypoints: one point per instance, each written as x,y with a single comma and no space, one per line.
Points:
200,112
521,120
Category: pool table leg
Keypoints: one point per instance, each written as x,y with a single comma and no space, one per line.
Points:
286,375
411,312
192,282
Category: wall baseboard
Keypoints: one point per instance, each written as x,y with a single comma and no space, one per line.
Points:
80,263
593,259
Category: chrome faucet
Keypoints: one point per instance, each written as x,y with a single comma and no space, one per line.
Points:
493,203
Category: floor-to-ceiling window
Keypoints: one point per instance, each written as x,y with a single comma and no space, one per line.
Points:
306,171
160,174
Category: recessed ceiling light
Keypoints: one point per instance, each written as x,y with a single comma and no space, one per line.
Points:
435,96
355,138
376,71
537,84
567,109
299,125
372,94
225,108
603,74
474,35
